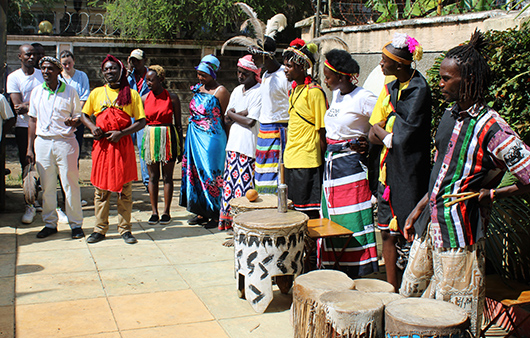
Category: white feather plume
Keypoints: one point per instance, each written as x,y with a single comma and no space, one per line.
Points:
275,25
239,40
247,9
400,40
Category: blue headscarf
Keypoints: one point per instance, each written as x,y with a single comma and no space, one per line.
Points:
210,65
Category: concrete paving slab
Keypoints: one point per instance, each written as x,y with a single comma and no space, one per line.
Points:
8,243
65,319
195,251
7,293
7,264
56,261
158,309
194,330
27,242
222,301
208,274
139,280
275,325
7,321
127,255
59,287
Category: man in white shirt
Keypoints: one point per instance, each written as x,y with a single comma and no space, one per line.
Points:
20,83
6,114
54,112
273,117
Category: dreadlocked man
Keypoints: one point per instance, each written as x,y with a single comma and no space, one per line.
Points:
474,146
306,135
113,157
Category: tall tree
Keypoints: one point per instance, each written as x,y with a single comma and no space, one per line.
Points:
191,19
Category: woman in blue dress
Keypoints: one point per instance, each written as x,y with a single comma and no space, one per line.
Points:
203,160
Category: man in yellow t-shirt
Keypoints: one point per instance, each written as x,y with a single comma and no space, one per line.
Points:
113,156
401,125
306,136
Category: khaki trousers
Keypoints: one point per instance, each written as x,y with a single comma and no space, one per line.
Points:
102,206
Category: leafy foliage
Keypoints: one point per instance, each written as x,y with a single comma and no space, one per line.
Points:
20,15
509,91
392,10
189,19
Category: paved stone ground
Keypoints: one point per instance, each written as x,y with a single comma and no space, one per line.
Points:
178,281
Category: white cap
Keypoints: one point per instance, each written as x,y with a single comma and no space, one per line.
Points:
137,54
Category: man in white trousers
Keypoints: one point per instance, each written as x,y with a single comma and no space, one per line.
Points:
55,112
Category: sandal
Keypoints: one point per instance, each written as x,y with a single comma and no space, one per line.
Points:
198,220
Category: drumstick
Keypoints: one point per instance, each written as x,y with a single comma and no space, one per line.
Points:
463,198
460,194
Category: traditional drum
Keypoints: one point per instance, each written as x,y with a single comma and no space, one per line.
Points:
373,285
425,318
307,290
265,201
266,244
350,314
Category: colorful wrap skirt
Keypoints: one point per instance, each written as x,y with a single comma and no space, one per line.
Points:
160,144
346,200
238,178
271,143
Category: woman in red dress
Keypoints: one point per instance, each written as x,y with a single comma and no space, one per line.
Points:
162,142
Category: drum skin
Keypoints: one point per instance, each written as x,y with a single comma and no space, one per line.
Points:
373,285
425,317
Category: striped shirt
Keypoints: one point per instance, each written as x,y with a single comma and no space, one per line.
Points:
473,149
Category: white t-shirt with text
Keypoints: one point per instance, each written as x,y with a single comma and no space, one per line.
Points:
274,97
348,115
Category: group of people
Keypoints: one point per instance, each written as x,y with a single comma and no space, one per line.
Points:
56,102
279,116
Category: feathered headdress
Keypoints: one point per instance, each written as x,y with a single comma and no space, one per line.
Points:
408,49
299,51
256,44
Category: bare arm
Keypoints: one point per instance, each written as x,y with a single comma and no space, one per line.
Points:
241,118
377,133
409,230
323,144
115,135
32,126
96,131
20,106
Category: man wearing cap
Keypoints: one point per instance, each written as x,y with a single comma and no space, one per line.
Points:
136,77
401,125
20,83
54,113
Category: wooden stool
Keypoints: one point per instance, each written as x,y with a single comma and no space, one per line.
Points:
425,317
267,244
306,293
350,314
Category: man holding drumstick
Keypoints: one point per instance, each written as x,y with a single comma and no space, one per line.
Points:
474,146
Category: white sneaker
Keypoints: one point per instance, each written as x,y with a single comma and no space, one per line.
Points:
29,214
84,203
62,216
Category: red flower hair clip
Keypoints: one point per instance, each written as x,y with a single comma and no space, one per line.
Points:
297,43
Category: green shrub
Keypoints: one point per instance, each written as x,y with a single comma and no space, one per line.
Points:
509,91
